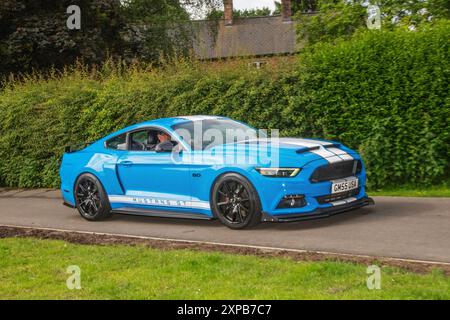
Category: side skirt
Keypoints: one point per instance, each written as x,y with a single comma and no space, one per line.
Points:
161,213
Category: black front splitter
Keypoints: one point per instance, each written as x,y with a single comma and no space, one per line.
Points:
320,212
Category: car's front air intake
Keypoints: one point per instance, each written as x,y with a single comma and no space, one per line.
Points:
337,170
337,196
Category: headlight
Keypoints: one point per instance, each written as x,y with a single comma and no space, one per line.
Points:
278,172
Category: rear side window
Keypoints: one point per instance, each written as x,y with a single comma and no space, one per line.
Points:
118,143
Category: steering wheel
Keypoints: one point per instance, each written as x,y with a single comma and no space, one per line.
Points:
136,145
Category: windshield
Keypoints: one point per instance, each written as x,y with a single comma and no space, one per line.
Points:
205,134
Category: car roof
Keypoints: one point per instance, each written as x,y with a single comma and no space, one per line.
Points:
168,122
163,122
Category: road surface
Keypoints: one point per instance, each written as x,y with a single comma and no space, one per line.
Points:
408,228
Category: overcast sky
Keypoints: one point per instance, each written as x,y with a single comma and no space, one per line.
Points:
251,4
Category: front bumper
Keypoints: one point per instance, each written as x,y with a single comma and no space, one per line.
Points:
320,212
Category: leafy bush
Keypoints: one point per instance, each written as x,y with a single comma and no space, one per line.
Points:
386,93
383,93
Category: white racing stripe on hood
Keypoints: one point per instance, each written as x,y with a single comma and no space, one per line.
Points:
341,153
327,155
324,153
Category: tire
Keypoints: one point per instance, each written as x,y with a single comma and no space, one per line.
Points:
91,199
235,202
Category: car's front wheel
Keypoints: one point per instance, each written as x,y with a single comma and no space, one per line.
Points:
235,202
91,199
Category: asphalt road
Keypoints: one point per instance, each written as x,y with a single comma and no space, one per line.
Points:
408,228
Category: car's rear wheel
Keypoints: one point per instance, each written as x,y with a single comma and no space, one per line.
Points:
235,202
91,199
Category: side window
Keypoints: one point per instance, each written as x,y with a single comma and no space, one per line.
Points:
118,143
146,140
139,140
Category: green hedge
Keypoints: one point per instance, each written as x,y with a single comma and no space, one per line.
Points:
382,93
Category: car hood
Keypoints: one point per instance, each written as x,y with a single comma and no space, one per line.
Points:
289,151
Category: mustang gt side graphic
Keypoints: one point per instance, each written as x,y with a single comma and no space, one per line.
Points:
189,167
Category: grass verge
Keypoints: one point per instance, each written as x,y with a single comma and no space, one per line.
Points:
36,269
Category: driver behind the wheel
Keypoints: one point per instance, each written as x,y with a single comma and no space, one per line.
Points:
164,143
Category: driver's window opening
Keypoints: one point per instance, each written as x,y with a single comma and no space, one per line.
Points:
148,140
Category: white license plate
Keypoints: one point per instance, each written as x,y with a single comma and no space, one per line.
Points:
344,185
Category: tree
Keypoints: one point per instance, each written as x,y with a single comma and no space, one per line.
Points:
34,35
342,18
246,13
336,18
298,6
154,28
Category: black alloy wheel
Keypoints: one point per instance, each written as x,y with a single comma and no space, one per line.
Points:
91,199
235,202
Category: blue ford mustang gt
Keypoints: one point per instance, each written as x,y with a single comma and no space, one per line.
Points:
189,167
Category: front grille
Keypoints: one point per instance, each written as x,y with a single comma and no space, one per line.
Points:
338,196
338,170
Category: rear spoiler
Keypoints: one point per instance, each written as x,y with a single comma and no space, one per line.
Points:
307,149
76,147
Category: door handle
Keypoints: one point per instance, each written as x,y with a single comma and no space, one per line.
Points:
126,163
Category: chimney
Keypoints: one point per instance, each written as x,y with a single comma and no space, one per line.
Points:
228,12
286,11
